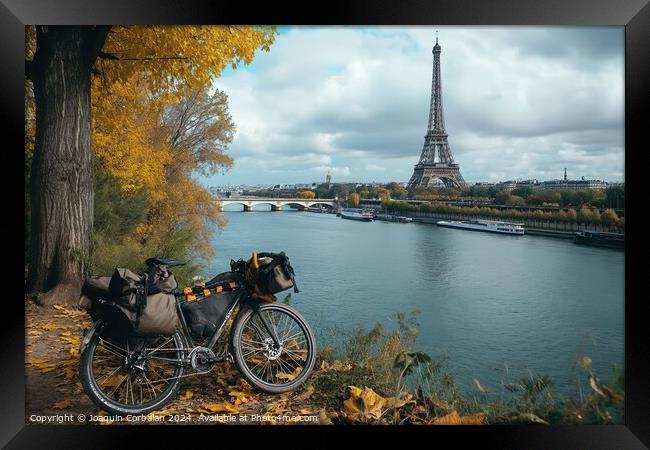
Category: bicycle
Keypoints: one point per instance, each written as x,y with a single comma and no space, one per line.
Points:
270,343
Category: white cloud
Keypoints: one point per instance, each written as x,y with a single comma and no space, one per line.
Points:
519,102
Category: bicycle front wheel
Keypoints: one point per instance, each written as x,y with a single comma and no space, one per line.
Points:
270,367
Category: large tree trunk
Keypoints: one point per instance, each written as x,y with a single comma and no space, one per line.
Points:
61,183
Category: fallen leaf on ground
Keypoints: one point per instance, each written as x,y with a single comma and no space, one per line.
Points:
529,418
288,376
323,419
394,402
63,404
454,418
163,412
363,404
221,407
336,366
304,395
238,397
52,327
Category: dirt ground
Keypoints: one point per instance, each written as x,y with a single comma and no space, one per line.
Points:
54,392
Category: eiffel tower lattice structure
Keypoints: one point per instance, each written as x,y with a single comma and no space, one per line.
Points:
436,166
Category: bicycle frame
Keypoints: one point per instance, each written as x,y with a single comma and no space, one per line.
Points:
242,296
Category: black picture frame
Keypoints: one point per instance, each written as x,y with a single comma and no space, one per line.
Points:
634,15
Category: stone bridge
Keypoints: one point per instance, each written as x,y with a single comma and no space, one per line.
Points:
277,203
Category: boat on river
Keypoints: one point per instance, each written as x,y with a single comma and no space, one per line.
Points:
392,218
356,214
599,239
318,209
493,226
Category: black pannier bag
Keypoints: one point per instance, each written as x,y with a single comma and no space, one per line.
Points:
128,302
207,304
94,289
272,273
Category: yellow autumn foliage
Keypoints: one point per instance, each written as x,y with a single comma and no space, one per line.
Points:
156,121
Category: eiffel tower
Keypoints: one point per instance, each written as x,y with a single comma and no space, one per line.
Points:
436,166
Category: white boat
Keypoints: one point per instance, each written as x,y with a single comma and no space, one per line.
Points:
356,214
492,226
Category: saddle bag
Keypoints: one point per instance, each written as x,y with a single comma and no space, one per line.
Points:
142,305
93,290
271,273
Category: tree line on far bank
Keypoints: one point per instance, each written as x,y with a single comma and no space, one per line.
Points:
584,215
612,197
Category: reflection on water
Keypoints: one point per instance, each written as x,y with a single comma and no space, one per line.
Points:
497,306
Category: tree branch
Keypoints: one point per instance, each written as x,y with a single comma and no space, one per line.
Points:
113,57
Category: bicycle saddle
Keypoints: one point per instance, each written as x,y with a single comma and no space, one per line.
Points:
164,262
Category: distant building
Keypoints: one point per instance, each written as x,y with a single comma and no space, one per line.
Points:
561,185
225,191
566,184
507,186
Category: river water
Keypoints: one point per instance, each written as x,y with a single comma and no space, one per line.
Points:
497,307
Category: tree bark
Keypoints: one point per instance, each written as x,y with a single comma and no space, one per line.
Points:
61,182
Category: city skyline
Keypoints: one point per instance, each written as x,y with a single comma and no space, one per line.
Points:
520,102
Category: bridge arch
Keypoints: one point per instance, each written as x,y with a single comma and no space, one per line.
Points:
276,204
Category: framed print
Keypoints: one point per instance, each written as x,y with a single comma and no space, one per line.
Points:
243,216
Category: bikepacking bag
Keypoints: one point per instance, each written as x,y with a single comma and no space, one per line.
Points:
270,273
144,305
206,305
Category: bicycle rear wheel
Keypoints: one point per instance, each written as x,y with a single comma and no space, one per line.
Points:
131,376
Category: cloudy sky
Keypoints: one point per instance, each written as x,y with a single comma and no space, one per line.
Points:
519,102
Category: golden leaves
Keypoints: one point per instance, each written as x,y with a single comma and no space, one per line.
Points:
454,418
336,366
238,397
63,404
363,404
305,394
162,412
288,376
188,395
52,327
219,408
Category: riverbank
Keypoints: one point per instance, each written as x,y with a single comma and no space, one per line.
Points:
566,221
530,231
562,230
373,378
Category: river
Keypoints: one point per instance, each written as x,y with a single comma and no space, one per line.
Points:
497,307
